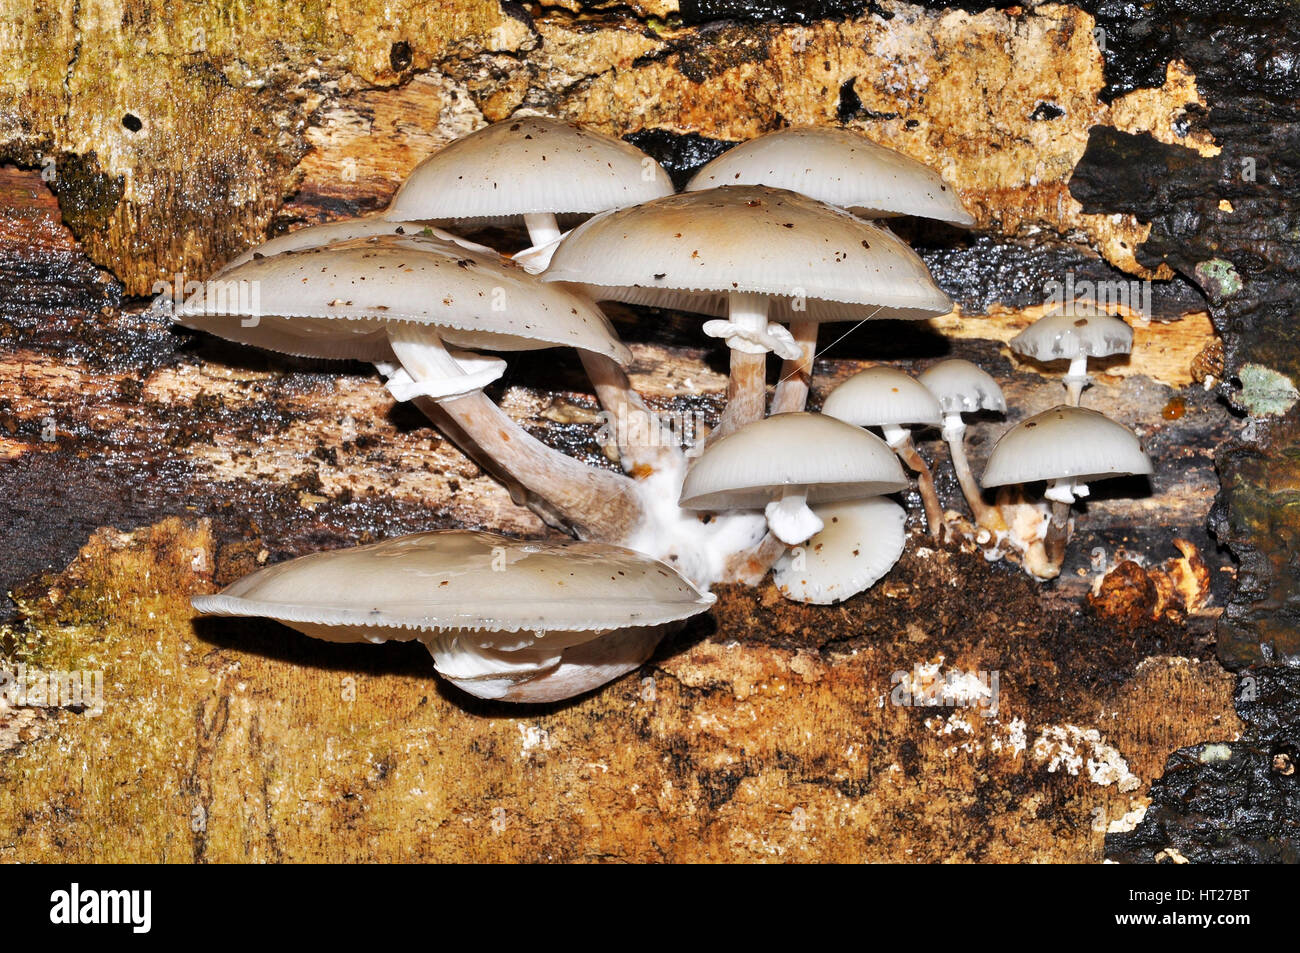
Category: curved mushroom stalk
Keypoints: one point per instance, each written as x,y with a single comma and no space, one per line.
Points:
790,518
548,668
900,441
986,517
862,541
1062,494
593,504
796,375
645,445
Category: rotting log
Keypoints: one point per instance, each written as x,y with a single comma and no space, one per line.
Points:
139,463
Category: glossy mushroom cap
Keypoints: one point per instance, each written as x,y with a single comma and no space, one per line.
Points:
883,396
838,167
335,301
751,467
1065,443
962,388
692,250
860,542
527,166
316,236
463,581
1078,331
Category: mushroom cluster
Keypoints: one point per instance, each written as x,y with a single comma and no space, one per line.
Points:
767,242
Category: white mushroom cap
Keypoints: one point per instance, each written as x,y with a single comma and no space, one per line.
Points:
465,582
1065,443
838,167
335,301
526,166
1076,331
692,250
860,542
883,396
963,388
751,467
315,236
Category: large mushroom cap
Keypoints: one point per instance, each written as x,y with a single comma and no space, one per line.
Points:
316,236
1065,443
527,166
883,396
1079,330
860,542
464,581
752,466
838,167
335,301
691,250
963,388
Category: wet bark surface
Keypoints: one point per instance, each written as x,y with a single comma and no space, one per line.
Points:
210,460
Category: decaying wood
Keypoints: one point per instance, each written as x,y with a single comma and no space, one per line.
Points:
139,463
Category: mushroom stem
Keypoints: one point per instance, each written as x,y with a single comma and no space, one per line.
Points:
747,388
750,566
790,519
1061,494
900,441
954,432
1076,379
796,376
593,504
644,443
542,227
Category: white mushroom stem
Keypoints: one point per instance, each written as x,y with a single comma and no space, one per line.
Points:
1062,494
796,376
747,388
954,432
900,441
749,567
594,504
645,445
790,519
542,227
1076,379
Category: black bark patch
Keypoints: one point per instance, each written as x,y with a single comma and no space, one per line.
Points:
680,155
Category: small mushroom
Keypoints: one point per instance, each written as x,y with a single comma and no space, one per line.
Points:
838,167
779,465
408,297
530,168
504,619
1069,447
962,388
1075,333
860,542
892,400
756,255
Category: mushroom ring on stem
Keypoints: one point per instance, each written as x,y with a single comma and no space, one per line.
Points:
1069,447
962,388
504,619
779,465
890,399
532,169
406,298
1075,333
761,257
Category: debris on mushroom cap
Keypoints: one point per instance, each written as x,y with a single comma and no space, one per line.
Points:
1065,443
883,396
690,251
751,467
462,581
1074,332
526,166
963,388
839,167
335,301
861,541
316,236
